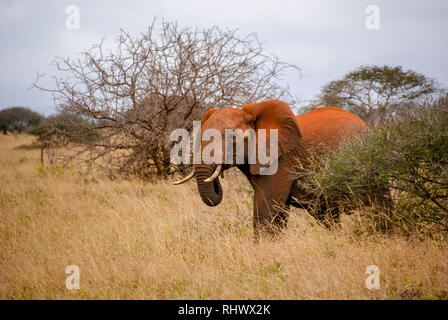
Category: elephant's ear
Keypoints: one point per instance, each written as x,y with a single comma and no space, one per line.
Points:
207,115
274,114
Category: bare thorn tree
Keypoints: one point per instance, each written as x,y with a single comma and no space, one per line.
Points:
135,95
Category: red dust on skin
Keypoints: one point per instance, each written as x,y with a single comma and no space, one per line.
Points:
329,125
297,136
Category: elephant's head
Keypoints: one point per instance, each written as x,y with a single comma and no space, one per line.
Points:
273,114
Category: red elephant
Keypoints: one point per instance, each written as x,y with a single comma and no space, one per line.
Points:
297,136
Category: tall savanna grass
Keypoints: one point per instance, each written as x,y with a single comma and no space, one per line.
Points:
139,240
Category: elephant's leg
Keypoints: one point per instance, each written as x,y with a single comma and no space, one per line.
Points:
270,216
327,214
298,197
262,216
270,209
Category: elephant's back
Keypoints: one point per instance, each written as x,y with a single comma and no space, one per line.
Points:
329,126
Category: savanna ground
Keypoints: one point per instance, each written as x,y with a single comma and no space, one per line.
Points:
142,240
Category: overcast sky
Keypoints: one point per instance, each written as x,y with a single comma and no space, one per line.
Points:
325,39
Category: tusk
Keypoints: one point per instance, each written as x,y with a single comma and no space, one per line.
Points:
185,179
214,175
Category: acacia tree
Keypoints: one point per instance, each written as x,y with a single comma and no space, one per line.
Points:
162,80
18,119
375,93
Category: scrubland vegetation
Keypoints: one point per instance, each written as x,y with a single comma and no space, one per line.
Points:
399,170
149,240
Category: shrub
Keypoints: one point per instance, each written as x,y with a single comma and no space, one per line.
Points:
63,128
18,119
60,130
400,170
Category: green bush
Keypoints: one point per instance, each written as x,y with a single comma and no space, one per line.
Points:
399,170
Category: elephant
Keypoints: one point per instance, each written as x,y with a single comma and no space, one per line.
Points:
297,136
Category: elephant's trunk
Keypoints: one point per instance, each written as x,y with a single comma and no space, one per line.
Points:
210,192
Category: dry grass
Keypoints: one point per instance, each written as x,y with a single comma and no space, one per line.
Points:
137,240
